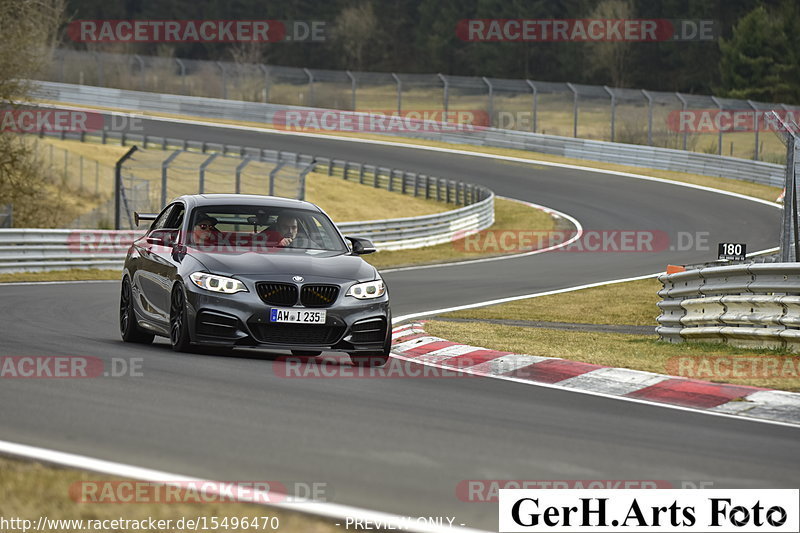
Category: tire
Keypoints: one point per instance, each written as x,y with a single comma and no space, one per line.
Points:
178,321
306,353
128,328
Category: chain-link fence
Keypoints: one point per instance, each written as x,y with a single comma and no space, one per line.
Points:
789,134
159,171
672,120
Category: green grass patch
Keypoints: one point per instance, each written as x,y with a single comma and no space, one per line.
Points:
75,274
30,490
509,215
637,352
631,303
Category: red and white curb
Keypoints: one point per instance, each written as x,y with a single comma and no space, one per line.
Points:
412,343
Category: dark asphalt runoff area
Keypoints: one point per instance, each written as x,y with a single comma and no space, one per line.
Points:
397,445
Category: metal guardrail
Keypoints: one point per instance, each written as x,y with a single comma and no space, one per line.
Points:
626,154
57,249
753,305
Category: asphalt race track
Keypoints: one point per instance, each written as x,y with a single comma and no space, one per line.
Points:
397,445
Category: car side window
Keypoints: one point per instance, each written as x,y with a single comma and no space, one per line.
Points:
175,219
162,219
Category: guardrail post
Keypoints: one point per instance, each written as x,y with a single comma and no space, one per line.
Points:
361,173
684,106
164,167
574,109
118,184
375,180
399,93
330,167
613,109
535,102
344,170
391,179
445,91
719,133
649,117
491,99
203,167
239,169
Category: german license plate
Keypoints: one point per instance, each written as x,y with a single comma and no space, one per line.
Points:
296,316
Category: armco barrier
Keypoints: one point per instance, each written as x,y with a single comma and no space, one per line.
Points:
754,305
58,249
625,154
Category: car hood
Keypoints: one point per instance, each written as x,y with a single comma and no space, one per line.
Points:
334,265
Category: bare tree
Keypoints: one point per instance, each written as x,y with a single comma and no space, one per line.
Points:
612,57
29,29
354,29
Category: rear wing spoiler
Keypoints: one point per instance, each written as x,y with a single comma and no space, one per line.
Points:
137,217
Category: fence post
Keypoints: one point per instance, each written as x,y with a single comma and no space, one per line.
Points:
399,93
445,91
141,70
613,109
239,169
310,87
352,89
203,166
266,82
164,165
118,184
272,175
684,106
183,74
649,117
719,133
756,120
224,80
535,102
491,99
574,109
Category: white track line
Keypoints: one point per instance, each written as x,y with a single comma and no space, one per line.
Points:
322,509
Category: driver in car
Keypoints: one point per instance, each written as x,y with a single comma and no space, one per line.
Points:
205,230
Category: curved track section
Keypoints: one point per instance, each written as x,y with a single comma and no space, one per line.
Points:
397,445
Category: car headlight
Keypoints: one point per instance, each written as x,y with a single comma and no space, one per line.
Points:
213,283
367,290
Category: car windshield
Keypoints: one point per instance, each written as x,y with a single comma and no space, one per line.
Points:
248,228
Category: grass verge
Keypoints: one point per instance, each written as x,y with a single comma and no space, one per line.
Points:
632,303
75,274
30,490
509,215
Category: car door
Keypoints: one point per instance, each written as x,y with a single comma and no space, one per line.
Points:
157,264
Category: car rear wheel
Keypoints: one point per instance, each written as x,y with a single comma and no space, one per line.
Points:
128,328
178,321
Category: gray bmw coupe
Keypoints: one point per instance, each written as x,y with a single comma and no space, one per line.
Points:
239,270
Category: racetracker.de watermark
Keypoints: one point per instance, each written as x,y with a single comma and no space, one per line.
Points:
339,367
383,121
196,31
722,367
730,120
68,367
620,241
50,120
196,491
585,30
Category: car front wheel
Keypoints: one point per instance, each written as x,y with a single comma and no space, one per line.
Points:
178,320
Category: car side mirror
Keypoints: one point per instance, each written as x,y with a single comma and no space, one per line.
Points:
163,237
361,246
